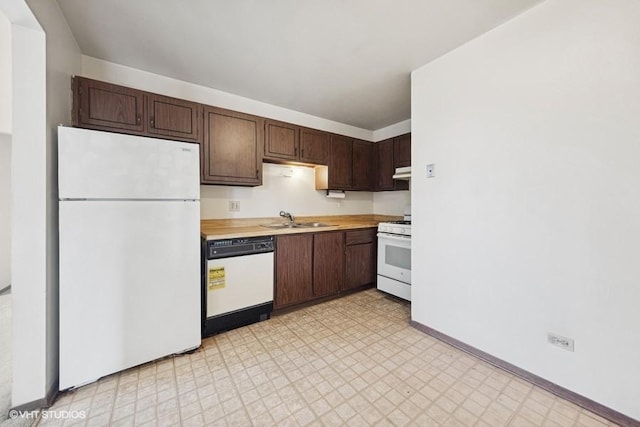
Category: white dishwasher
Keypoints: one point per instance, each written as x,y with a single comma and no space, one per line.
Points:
237,283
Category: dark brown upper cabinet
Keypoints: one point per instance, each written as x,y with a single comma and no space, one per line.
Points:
282,141
174,118
104,106
402,150
340,163
233,144
351,164
314,146
285,142
232,148
385,167
362,165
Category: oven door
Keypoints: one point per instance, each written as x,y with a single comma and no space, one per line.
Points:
394,257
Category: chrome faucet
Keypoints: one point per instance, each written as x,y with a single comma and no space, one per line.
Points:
287,215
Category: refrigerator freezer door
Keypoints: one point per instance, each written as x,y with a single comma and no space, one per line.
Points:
129,285
104,165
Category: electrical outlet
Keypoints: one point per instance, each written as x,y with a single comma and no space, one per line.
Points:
234,206
559,341
431,170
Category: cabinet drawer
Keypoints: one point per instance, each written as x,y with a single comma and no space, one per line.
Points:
358,237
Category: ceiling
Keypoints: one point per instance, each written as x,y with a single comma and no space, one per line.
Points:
343,60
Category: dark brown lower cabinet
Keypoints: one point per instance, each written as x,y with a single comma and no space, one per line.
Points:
360,258
294,278
315,265
328,262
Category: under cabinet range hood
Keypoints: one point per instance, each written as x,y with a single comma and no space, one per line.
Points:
403,173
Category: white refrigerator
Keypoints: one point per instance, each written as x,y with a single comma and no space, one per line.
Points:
129,222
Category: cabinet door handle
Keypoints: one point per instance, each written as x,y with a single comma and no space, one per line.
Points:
302,152
295,151
138,119
152,122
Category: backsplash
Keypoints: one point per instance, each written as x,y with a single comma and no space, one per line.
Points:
295,194
390,202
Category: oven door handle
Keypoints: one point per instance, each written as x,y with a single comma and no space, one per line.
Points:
394,237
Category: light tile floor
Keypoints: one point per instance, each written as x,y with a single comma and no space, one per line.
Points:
351,361
5,365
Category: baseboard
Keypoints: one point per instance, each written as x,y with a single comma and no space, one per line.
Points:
38,404
586,403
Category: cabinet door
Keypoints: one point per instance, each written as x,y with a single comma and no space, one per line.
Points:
328,263
402,150
281,141
340,162
174,118
361,265
362,165
104,106
385,165
360,259
314,146
232,148
294,280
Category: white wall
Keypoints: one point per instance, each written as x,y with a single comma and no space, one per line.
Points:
5,210
296,194
41,70
532,222
5,150
390,202
28,213
63,61
396,129
5,74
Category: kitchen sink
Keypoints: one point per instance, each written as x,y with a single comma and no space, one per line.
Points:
280,226
313,224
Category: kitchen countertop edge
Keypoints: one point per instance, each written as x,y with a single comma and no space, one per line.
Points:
213,229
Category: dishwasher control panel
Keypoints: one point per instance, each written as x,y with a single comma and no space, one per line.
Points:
224,248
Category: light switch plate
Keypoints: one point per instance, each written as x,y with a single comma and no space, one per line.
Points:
431,170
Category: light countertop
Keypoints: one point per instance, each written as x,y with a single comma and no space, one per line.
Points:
213,229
